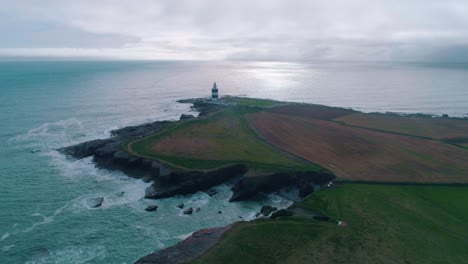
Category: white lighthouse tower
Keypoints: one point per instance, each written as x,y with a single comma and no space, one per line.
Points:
214,93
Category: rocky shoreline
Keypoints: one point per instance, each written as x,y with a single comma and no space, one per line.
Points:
169,181
189,249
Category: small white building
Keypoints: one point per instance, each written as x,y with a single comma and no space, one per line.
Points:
214,93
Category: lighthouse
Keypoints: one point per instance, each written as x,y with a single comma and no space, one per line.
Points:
214,93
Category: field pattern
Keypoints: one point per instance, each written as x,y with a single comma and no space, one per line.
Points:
217,140
437,128
363,154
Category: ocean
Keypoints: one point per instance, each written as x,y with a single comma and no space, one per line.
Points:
45,105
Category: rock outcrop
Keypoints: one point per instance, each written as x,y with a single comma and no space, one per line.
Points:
185,117
95,202
187,250
248,187
282,213
188,182
267,210
151,208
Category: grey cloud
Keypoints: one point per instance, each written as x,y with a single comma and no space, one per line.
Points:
408,30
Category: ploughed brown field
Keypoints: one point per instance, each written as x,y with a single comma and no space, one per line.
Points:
438,128
359,153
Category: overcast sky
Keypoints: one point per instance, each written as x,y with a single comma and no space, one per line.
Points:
289,30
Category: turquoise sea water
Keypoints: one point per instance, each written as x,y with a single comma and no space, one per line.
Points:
44,215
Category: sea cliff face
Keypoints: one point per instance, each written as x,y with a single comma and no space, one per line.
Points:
167,181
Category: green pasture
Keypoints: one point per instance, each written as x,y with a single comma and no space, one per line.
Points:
384,224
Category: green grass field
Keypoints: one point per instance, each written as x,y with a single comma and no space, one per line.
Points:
244,101
385,224
220,139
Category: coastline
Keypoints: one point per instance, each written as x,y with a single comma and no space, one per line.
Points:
169,180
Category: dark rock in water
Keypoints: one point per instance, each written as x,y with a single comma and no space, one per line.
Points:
185,117
266,210
197,209
219,212
39,252
189,211
95,202
187,250
151,208
85,149
281,213
181,205
212,192
120,194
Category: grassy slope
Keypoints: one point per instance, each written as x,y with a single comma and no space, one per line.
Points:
244,101
221,139
386,224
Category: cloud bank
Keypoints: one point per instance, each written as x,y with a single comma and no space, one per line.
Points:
288,30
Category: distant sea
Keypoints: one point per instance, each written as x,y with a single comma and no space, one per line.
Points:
45,105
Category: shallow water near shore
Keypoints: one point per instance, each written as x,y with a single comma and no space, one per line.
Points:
45,216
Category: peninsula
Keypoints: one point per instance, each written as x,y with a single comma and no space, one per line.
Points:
263,146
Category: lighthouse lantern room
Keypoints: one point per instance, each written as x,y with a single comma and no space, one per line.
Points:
214,93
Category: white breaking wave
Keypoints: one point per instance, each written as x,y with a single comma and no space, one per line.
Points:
6,248
50,134
46,219
184,236
71,255
5,236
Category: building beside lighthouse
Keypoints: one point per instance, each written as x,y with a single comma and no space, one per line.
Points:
214,93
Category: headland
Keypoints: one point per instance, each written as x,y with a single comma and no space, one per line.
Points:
263,146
